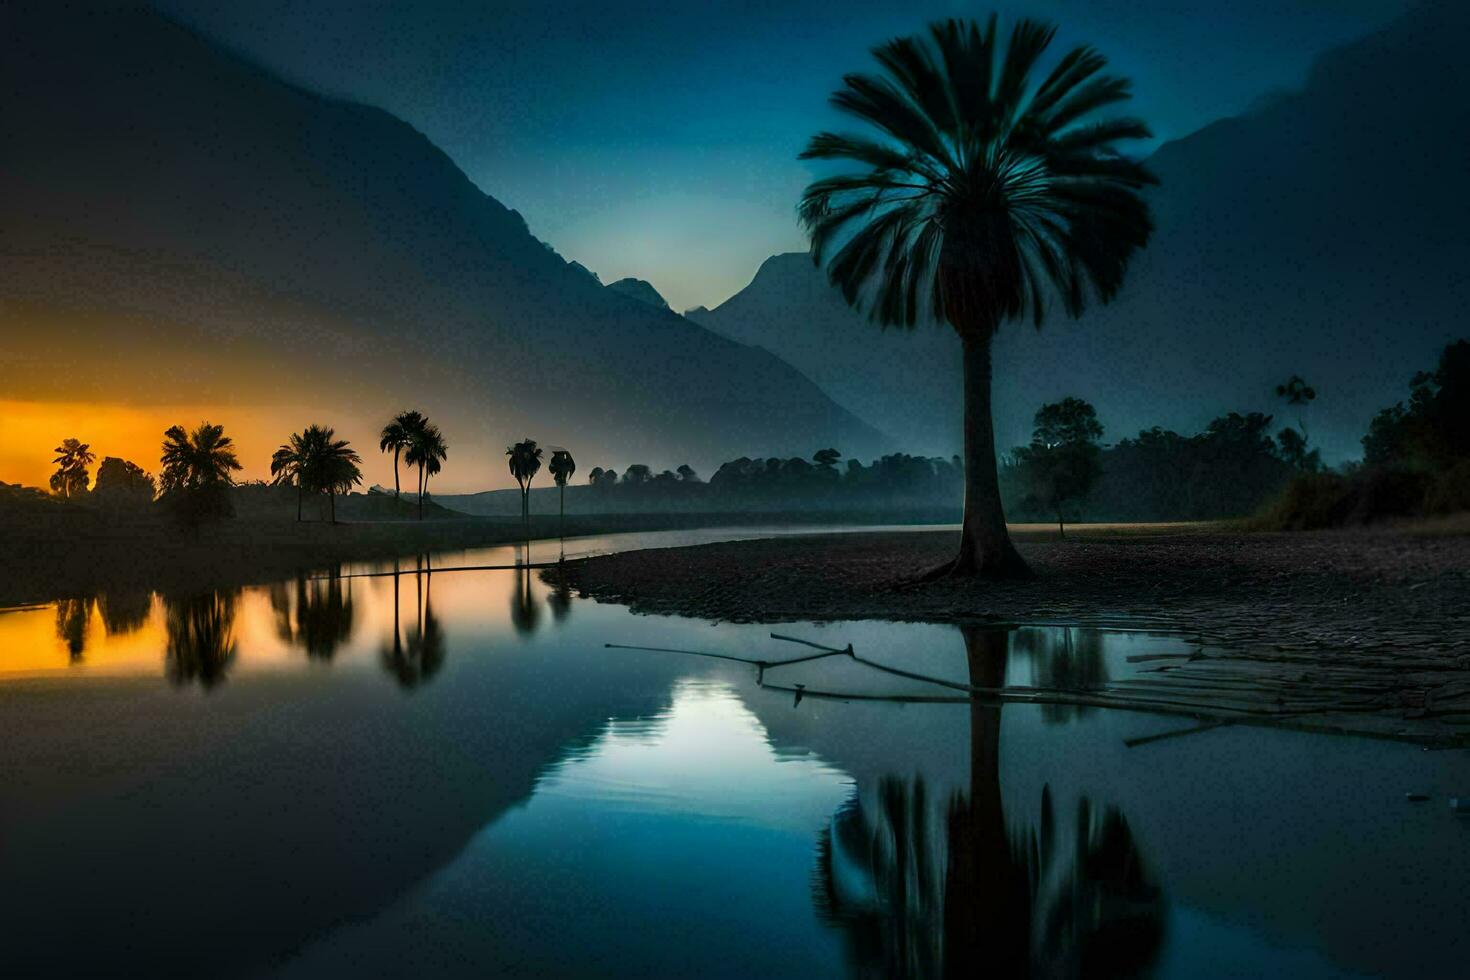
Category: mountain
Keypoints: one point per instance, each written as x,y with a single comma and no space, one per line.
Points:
1321,234
640,289
181,227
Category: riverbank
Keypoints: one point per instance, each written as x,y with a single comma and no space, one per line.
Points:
1352,589
1281,628
51,555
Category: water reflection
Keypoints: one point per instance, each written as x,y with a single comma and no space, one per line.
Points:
200,631
125,610
72,618
917,894
1064,659
525,611
418,659
559,599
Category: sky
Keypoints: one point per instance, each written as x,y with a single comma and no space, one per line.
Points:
659,140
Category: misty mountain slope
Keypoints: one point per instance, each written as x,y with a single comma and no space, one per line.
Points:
641,290
209,231
1322,234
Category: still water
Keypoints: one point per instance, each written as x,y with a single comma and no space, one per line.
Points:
449,773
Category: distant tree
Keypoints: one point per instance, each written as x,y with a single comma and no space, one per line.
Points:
975,193
398,436
687,474
1433,430
427,450
1292,448
637,474
121,483
594,476
561,467
525,462
72,459
197,471
1063,462
827,459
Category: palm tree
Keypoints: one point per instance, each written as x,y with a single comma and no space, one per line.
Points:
333,465
561,468
72,459
426,450
398,435
977,196
525,462
193,460
289,465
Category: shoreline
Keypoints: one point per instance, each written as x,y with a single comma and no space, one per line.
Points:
1367,623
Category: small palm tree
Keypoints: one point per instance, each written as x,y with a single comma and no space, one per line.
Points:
525,462
978,196
197,468
398,435
72,459
426,450
561,467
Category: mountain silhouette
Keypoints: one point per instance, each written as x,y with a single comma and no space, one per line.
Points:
207,231
1318,234
641,290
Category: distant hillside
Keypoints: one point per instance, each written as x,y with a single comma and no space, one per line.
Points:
180,226
1321,234
639,289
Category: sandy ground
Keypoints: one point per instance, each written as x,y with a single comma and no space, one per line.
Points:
1358,589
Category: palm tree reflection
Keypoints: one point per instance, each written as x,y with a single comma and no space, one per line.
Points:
559,599
525,611
917,896
125,610
72,618
201,637
419,658
1064,659
323,614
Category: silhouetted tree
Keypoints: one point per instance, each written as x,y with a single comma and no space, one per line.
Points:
827,459
125,610
1432,432
637,474
197,470
525,462
398,435
72,459
121,483
687,474
427,450
1063,462
561,467
334,467
978,193
1292,447
289,464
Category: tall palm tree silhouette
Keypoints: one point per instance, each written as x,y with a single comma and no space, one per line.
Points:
525,462
978,196
980,896
290,465
561,468
72,459
398,435
426,450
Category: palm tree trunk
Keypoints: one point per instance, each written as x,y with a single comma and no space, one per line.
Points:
395,473
332,502
985,544
298,500
421,491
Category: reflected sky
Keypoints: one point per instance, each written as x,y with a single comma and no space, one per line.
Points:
450,773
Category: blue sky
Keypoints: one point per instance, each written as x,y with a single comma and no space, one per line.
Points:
659,140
